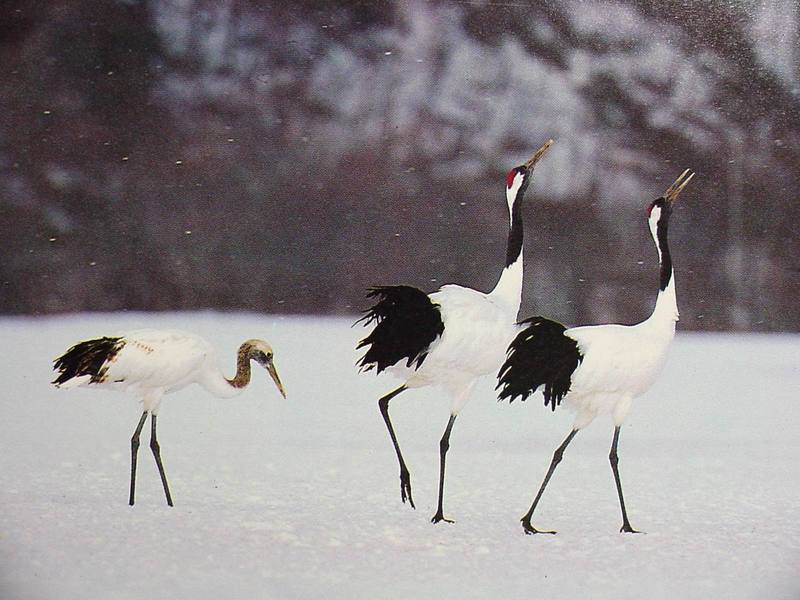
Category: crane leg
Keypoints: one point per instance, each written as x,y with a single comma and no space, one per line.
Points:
444,445
134,453
405,478
614,459
557,456
157,454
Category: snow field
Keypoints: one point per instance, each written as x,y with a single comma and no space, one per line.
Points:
299,498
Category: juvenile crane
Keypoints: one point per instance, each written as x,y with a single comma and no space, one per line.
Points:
151,363
598,369
451,337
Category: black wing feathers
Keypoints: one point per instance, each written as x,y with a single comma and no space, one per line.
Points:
540,355
87,358
407,323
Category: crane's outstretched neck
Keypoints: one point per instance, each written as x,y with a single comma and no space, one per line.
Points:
508,290
666,308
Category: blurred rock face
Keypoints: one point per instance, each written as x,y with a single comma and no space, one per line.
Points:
164,155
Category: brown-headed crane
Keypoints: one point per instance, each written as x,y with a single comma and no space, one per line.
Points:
150,363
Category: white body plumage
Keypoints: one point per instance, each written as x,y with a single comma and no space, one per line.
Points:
150,363
597,369
477,326
153,362
477,329
620,362
451,337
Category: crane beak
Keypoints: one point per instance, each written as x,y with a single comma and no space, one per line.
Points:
531,162
273,372
677,187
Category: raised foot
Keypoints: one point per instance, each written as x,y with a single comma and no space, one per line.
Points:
530,529
440,517
626,528
405,488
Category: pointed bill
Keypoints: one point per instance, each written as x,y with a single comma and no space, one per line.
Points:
273,372
677,187
531,162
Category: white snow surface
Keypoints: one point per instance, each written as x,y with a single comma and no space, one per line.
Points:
299,498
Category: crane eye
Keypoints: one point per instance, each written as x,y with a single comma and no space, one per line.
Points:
261,356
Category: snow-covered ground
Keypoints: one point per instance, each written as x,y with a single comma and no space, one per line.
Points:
299,498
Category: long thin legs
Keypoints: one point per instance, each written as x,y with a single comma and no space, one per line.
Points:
157,454
134,453
405,478
614,459
557,455
444,445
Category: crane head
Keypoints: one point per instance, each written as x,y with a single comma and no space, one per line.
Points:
518,175
663,205
261,352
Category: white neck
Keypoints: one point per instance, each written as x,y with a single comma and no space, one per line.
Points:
665,311
508,290
215,383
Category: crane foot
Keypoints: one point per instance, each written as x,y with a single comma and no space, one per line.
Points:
530,529
626,528
438,517
405,488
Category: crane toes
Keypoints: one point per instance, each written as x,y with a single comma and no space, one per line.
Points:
405,489
438,517
530,529
626,528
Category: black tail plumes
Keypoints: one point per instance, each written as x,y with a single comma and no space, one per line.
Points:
540,355
407,324
86,358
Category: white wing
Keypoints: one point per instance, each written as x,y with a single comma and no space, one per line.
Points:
618,359
158,359
477,332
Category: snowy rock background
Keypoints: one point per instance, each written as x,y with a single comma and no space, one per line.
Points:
278,157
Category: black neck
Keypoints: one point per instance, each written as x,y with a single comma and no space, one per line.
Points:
515,233
663,245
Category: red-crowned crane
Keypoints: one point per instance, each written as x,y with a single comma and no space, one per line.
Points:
151,363
451,337
597,369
